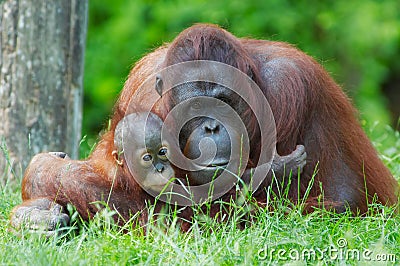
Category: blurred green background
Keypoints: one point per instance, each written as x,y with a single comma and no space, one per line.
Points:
357,41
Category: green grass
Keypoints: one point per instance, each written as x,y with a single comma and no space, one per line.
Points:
282,236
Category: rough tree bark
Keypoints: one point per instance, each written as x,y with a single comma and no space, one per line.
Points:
41,68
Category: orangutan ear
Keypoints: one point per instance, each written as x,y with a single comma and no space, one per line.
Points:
117,157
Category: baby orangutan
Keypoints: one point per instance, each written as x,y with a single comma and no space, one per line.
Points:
138,142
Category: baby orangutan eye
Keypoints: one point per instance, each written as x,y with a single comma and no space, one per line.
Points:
163,151
147,157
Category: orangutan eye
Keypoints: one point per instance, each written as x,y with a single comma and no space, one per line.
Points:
147,157
163,151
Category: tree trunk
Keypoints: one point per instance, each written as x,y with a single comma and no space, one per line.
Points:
41,69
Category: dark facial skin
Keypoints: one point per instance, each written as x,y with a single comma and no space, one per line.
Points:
198,128
141,146
192,98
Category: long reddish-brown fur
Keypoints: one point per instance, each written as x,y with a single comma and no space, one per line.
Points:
308,106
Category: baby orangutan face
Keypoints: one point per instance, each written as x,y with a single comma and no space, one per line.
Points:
138,138
151,162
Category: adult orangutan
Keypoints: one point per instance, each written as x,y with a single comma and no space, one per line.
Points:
308,106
